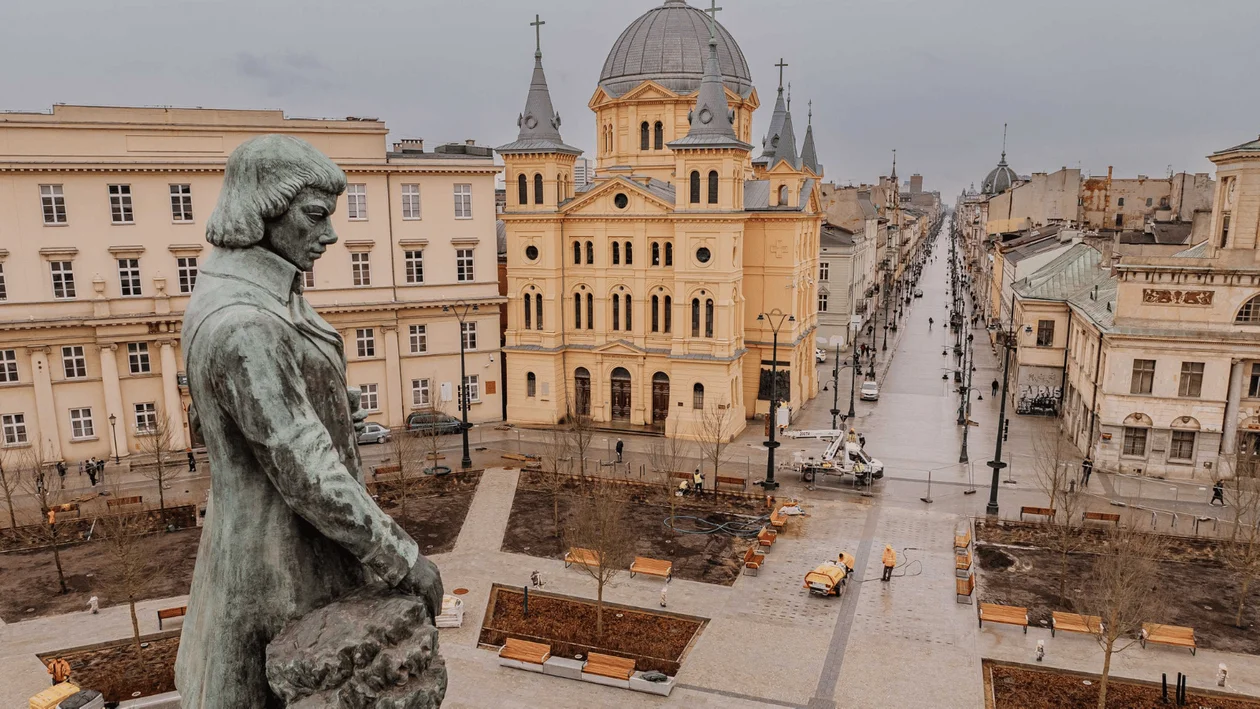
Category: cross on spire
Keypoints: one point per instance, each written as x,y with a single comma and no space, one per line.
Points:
810,120
712,12
537,25
781,64
789,96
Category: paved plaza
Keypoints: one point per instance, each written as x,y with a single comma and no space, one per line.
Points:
903,644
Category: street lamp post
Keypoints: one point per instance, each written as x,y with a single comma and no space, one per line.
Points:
113,428
853,384
776,318
835,390
461,309
997,464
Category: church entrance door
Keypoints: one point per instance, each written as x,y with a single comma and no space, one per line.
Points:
620,394
660,398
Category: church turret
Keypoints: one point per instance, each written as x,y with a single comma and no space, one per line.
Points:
780,141
809,154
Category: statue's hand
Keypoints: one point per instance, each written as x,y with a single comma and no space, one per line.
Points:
357,415
425,581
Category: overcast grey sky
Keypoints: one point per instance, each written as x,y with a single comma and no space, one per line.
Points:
1138,84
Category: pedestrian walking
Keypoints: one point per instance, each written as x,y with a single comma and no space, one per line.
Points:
995,387
1087,469
91,470
192,462
80,468
61,471
620,446
890,562
930,323
664,594
1218,492
535,579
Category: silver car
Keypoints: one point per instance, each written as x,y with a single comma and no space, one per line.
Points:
374,433
869,391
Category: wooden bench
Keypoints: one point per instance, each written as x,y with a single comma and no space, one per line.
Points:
962,541
1101,517
525,651
122,501
766,537
753,561
608,666
740,483
1043,511
652,567
169,613
964,588
386,469
585,557
1010,615
778,519
1169,635
1075,623
962,560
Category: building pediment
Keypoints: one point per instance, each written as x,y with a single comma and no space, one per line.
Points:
648,91
641,200
620,347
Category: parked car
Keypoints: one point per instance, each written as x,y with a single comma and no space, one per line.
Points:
433,422
918,292
869,391
374,433
820,354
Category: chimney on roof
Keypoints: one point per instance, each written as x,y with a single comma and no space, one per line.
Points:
409,145
470,141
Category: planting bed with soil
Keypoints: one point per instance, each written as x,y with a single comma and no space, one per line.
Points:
711,558
1026,688
655,640
1037,535
116,672
436,508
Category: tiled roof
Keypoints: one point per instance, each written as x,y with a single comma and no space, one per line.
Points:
757,196
1068,273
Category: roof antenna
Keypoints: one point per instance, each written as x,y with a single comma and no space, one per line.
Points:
1003,142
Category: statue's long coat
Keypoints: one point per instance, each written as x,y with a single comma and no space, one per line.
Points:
290,526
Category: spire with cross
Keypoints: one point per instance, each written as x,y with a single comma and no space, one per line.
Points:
789,96
781,65
712,12
809,121
1003,142
537,25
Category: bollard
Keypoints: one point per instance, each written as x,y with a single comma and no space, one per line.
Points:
1163,697
1221,673
526,600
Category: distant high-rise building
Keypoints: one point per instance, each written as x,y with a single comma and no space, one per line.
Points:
583,171
916,183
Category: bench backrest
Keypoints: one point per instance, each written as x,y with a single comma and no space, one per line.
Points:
967,585
726,480
1103,517
751,554
167,613
119,502
610,661
1037,511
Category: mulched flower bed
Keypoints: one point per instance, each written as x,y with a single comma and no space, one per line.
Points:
654,640
1025,688
1035,535
116,672
436,507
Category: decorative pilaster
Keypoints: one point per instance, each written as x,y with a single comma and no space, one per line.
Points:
170,395
394,396
45,407
113,399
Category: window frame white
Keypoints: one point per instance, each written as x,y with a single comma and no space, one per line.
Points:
823,302
130,284
121,208
187,269
365,342
413,266
421,392
181,203
52,202
468,335
138,362
410,195
63,280
462,192
8,367
14,430
4,290
369,398
145,411
356,202
418,339
824,271
472,384
465,265
361,269
82,428
73,362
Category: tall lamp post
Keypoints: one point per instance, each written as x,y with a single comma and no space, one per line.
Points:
113,428
461,309
997,464
835,389
776,318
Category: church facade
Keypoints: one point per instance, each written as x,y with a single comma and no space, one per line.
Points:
653,296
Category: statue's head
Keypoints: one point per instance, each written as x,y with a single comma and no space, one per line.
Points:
278,192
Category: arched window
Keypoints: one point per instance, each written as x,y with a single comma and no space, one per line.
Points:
590,311
538,188
616,305
695,317
708,318
713,187
656,316
643,136
695,187
522,189
538,311
669,314
656,253
590,253
629,314
577,311
660,135
629,254
1249,313
697,396
669,254
528,310
582,391
783,195
577,253
531,384
616,253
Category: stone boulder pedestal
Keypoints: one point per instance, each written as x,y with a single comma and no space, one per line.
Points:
374,649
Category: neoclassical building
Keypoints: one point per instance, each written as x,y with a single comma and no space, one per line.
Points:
635,298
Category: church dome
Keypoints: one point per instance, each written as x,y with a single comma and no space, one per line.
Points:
668,45
1000,178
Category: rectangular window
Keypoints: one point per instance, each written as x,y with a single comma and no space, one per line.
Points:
73,362
138,357
14,429
62,279
1135,441
1148,201
1045,333
1253,389
473,386
146,417
1191,379
411,201
8,366
413,263
1120,202
824,271
464,265
129,276
187,266
81,424
468,330
822,302
361,268
419,335
1143,376
463,201
420,392
181,203
365,341
1182,447
356,202
54,204
4,292
120,204
308,279
367,397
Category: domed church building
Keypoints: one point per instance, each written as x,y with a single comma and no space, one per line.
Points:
649,299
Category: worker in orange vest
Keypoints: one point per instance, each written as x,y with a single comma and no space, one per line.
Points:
890,562
59,669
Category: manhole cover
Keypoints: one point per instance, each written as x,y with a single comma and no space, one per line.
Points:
460,591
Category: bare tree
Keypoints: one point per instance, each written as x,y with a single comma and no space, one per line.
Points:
410,452
581,430
1057,479
131,566
713,436
555,470
599,527
666,456
1242,554
9,478
1123,593
44,485
158,442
